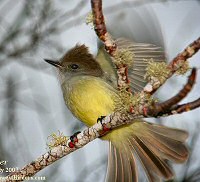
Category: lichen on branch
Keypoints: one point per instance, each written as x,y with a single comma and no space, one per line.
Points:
55,140
89,19
183,68
123,57
157,70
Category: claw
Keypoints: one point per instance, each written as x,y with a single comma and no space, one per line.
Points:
100,119
73,139
105,128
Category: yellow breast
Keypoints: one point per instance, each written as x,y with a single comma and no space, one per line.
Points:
90,98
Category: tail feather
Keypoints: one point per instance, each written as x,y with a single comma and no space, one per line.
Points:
146,167
176,134
152,144
163,151
150,161
121,168
132,162
166,147
111,165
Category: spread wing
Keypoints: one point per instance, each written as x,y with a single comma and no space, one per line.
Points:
143,52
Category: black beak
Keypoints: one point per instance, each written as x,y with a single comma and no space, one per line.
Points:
54,63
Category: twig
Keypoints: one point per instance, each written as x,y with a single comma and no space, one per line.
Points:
110,122
177,109
110,45
100,27
159,109
174,65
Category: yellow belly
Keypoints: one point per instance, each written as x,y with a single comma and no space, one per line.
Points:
90,98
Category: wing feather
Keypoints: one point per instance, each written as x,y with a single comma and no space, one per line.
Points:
143,52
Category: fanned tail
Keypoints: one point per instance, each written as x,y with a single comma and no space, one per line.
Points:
152,144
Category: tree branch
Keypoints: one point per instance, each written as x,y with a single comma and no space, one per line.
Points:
178,109
113,120
159,109
110,45
174,65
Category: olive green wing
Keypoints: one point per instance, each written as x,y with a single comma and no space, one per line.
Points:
143,52
107,66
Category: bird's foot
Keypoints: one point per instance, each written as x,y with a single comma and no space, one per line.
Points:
105,128
73,139
100,119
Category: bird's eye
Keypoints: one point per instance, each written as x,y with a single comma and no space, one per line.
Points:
74,66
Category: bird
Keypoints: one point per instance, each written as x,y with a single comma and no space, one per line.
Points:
89,86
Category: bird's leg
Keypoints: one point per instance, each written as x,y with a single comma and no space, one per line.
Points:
105,129
99,119
73,139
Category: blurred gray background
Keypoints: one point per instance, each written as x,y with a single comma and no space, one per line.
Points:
31,103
